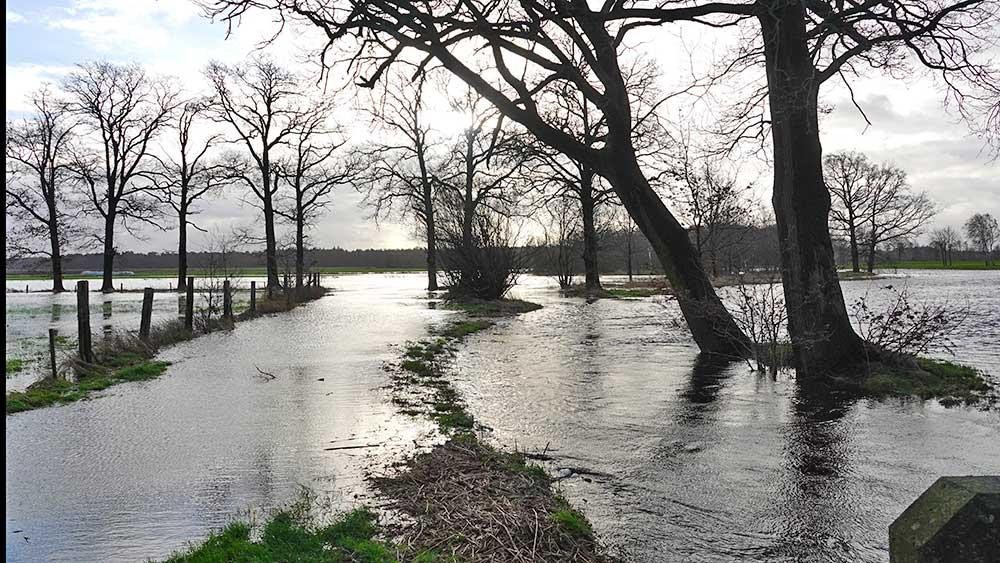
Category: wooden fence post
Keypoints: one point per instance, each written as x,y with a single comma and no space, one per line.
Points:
53,333
189,305
227,301
147,314
83,320
253,298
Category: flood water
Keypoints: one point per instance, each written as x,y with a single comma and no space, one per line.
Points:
672,460
153,465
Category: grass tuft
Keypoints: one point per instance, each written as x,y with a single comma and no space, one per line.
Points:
948,382
13,365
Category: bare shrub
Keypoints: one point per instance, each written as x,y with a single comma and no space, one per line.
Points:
489,266
759,310
908,328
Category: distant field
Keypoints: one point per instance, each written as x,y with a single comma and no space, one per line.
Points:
196,272
937,265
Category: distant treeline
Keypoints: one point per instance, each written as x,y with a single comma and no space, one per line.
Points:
407,258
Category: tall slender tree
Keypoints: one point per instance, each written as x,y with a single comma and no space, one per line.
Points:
263,105
37,190
188,175
312,172
399,172
125,109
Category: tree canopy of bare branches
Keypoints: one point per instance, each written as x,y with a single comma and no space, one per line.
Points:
263,105
124,109
37,190
516,56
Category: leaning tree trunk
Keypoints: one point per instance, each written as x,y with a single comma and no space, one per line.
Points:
820,329
711,325
182,255
108,282
55,252
592,276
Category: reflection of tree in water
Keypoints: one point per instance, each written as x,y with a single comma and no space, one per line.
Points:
106,317
56,312
814,510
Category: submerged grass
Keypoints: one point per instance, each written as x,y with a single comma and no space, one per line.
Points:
59,391
13,365
491,308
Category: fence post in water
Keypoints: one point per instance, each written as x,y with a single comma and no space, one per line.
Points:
53,333
83,320
253,298
147,314
227,301
189,305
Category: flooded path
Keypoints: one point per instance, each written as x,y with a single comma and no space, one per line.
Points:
151,466
677,462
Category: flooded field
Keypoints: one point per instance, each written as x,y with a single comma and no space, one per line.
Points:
669,459
677,462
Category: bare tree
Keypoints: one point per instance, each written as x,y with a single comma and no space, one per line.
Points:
630,233
482,166
946,240
717,208
125,108
38,175
399,172
525,52
893,213
845,174
312,172
983,231
562,233
186,179
262,103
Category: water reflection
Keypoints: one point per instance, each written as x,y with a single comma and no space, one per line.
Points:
706,460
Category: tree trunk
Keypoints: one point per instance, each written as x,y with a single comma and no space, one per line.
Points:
270,246
300,249
107,281
855,257
182,258
871,259
711,325
592,277
432,284
820,329
56,252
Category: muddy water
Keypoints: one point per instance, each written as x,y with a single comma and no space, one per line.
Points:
674,461
153,465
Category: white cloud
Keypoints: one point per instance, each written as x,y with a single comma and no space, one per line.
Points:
14,17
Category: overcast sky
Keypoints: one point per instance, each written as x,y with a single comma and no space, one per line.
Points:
46,38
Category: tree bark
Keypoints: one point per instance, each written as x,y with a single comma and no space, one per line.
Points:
182,258
270,245
300,247
107,277
820,329
855,257
55,252
432,284
711,325
592,276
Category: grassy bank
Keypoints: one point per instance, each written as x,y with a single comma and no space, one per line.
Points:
124,357
949,383
465,499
